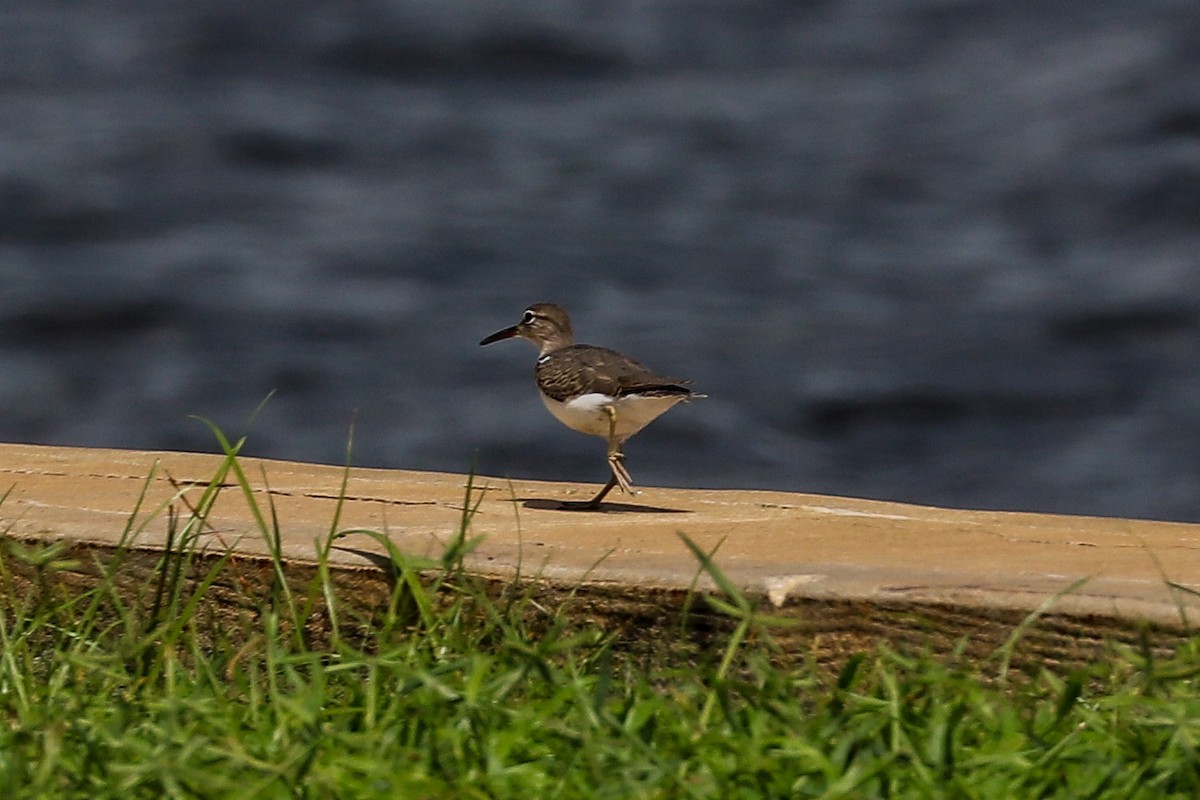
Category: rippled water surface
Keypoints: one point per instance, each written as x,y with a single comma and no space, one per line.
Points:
945,252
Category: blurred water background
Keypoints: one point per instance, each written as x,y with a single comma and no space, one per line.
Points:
943,251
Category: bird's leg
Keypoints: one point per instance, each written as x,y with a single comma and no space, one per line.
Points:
620,475
594,503
617,462
616,458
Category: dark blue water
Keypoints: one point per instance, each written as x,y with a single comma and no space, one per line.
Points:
933,250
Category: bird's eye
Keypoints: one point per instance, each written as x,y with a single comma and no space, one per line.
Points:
528,318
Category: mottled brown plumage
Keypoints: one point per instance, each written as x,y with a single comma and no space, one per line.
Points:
581,368
593,389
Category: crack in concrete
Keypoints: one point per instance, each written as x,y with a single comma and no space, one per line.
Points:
368,499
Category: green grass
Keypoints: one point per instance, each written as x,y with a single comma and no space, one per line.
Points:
454,689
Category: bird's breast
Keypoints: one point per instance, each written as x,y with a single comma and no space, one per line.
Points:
586,412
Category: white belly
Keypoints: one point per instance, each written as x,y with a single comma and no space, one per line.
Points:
586,413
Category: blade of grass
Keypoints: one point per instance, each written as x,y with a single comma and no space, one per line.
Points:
1006,650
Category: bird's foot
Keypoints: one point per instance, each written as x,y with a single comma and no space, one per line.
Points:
616,461
594,503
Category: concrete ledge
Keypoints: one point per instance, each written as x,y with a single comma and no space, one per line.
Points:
851,571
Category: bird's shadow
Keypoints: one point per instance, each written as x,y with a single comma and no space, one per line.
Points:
576,506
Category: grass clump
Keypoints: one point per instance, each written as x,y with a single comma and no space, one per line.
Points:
451,689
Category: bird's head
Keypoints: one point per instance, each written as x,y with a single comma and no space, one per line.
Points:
544,324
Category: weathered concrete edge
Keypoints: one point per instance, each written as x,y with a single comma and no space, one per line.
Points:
825,628
860,600
1095,598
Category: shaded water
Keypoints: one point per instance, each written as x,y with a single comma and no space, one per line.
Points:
945,252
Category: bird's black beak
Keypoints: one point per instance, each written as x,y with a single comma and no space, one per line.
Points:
507,333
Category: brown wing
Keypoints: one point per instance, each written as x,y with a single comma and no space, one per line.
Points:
581,368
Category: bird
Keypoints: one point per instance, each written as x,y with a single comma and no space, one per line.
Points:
594,390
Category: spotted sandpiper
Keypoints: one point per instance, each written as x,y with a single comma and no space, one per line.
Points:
594,390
